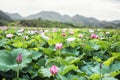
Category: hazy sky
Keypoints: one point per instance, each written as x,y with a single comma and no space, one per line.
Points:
100,9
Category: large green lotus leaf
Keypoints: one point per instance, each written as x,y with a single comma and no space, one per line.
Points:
66,69
93,45
109,78
70,51
20,79
95,76
72,60
87,46
20,45
104,44
72,44
112,70
97,59
116,55
115,73
75,77
45,72
8,59
80,73
96,47
56,39
58,59
60,77
47,51
3,42
35,54
4,61
114,45
109,61
31,41
87,69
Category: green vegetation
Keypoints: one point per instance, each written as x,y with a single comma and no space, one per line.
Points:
52,24
79,54
41,23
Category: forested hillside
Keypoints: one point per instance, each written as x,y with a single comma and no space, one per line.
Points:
4,19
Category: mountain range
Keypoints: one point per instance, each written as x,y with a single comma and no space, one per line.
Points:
4,16
55,16
14,16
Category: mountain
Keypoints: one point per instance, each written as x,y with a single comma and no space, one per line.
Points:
4,17
14,16
116,21
76,19
66,18
85,20
46,15
54,16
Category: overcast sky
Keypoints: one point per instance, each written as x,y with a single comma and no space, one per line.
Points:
100,9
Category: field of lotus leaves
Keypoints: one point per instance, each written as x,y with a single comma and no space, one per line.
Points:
59,54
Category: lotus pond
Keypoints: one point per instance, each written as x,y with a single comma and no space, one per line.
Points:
59,54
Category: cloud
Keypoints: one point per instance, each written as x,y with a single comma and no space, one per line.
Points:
101,9
116,0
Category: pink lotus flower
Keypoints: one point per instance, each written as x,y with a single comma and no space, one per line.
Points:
107,32
9,35
71,32
91,31
19,59
53,69
44,36
54,30
3,27
70,39
58,46
35,31
63,34
80,35
41,31
94,36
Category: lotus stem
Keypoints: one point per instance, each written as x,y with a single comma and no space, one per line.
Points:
18,72
60,77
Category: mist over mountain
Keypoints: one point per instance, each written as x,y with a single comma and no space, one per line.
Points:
14,16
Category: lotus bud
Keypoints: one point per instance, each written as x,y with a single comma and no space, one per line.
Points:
9,35
58,46
63,34
80,35
19,59
93,35
53,69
